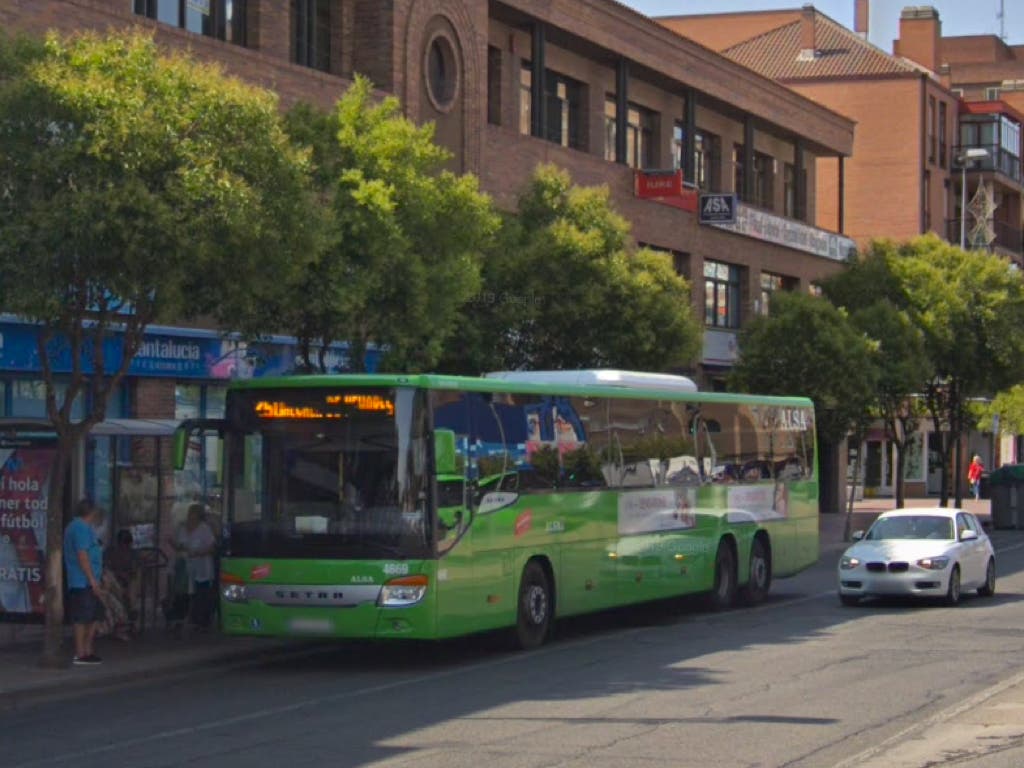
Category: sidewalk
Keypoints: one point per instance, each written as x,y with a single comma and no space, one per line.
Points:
159,654
154,656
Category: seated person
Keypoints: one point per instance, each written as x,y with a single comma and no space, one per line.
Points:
121,561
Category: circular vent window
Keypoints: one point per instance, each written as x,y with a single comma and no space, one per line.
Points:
442,73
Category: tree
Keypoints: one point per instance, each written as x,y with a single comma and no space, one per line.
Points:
134,187
806,346
872,294
564,288
402,238
969,306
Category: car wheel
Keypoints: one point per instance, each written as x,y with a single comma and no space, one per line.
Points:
953,591
989,587
723,594
760,579
849,600
533,618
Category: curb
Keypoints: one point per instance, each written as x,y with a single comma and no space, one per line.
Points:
172,668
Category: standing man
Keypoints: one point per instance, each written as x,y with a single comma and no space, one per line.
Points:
974,476
83,561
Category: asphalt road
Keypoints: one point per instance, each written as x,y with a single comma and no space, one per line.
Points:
799,681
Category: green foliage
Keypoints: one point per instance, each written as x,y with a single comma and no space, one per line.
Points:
129,178
563,290
1008,405
402,238
806,346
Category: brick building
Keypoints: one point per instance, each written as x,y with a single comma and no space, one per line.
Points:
917,110
587,84
988,77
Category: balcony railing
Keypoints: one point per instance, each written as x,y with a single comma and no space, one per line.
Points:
998,160
1007,236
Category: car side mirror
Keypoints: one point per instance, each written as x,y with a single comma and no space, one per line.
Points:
857,535
968,535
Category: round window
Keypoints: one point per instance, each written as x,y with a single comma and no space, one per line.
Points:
442,73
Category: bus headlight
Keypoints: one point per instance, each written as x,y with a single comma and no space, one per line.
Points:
402,592
233,589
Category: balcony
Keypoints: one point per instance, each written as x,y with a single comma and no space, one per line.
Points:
998,160
1008,238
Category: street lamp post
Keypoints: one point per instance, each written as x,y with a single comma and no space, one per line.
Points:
974,153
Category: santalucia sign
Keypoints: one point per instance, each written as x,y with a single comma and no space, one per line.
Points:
761,225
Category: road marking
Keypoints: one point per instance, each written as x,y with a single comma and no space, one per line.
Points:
937,719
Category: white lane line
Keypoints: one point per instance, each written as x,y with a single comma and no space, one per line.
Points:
937,719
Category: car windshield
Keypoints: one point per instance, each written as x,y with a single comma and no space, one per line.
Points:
911,527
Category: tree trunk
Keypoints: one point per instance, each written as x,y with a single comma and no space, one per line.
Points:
848,527
901,463
52,656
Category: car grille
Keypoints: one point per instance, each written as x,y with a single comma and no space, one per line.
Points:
853,584
875,567
898,567
926,584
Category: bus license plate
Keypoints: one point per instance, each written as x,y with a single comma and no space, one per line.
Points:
310,625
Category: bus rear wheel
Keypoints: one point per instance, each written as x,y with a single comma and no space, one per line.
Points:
533,618
723,594
760,579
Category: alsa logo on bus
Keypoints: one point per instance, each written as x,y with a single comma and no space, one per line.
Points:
784,419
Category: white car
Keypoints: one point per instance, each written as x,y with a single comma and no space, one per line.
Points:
923,552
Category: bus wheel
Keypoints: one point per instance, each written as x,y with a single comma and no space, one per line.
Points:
534,615
723,594
760,579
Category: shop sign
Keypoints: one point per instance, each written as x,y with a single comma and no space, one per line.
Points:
24,489
181,355
720,347
666,187
779,230
717,208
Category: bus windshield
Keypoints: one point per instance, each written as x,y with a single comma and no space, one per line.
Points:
328,473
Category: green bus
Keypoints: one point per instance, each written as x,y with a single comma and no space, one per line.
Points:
431,506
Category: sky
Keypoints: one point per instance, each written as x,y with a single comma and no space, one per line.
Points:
959,17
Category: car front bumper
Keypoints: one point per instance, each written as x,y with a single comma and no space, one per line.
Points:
914,582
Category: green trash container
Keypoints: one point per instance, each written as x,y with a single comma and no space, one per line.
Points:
1007,485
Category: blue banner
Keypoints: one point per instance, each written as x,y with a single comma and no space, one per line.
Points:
171,353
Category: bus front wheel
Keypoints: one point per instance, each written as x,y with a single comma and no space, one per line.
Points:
533,620
723,594
760,580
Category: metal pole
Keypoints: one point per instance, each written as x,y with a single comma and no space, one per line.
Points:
963,203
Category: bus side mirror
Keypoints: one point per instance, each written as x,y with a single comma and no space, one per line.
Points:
180,447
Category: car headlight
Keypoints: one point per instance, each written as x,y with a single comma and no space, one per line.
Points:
234,593
934,563
847,563
403,592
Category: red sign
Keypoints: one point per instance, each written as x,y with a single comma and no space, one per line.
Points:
666,187
524,522
260,572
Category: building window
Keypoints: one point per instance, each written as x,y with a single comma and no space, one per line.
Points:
525,100
640,137
707,160
926,200
991,94
678,146
442,73
220,19
958,92
931,129
764,180
770,283
738,172
311,41
609,128
563,99
721,295
943,148
795,198
493,85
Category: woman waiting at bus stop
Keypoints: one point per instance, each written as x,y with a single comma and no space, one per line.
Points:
196,542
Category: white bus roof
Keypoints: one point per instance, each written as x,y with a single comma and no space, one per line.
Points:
600,377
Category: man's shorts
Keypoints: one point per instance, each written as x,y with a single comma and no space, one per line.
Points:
83,606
